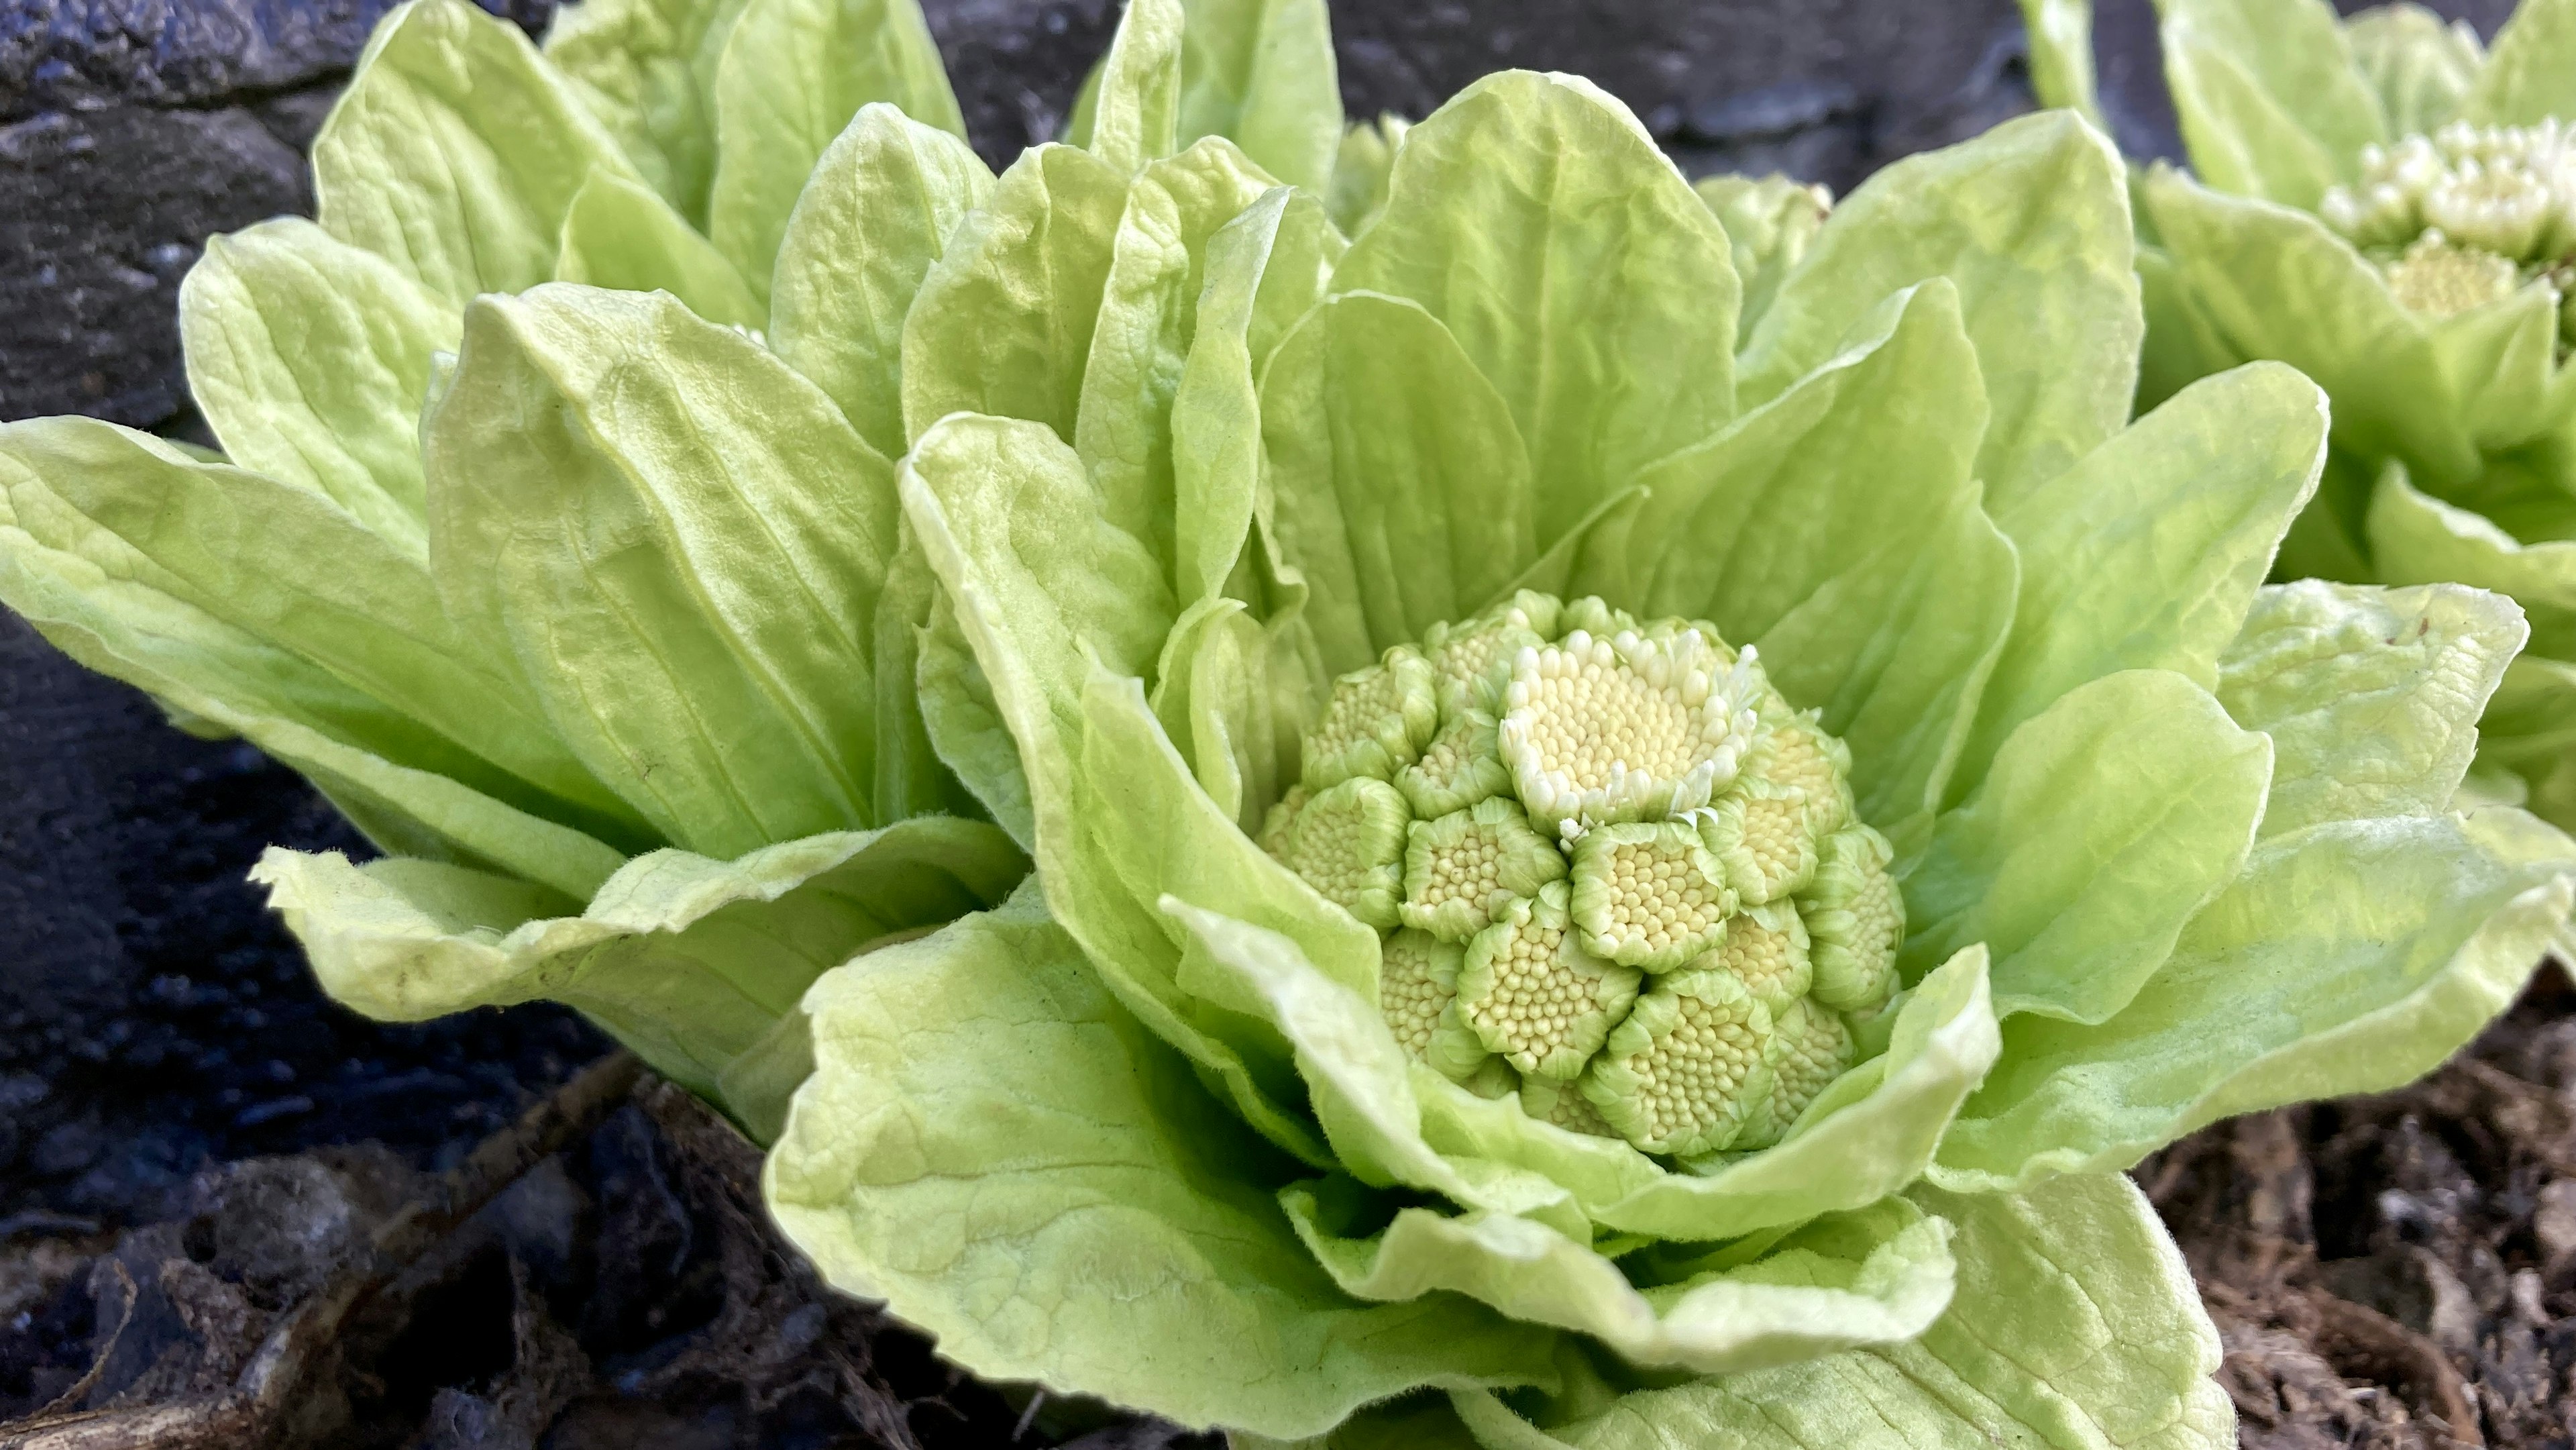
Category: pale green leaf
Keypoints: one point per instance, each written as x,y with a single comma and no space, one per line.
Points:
622,234
2031,223
2270,101
2349,957
689,961
1769,221
310,358
876,214
792,75
2415,539
1261,73
2371,696
2061,55
2530,73
2107,821
646,69
2422,66
1400,487
1534,218
1130,114
1003,321
456,151
1011,1161
683,542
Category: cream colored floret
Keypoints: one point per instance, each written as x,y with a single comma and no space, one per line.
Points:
1627,728
1533,995
1649,894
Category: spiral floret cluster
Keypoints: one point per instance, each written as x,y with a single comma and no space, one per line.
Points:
2466,215
1616,876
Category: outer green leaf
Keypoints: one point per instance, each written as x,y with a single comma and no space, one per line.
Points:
1093,1219
1262,74
2349,957
2061,56
1004,319
1212,694
2146,555
1148,315
2075,1324
1362,169
1401,488
683,543
2031,223
2530,73
1264,269
2275,283
876,214
2371,696
2530,730
2108,820
2182,344
456,151
688,960
1130,113
793,74
622,234
310,359
1535,219
2420,540
1046,594
1873,1277
1884,608
2269,85
2422,66
646,69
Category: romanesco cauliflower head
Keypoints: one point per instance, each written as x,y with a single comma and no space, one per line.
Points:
1640,796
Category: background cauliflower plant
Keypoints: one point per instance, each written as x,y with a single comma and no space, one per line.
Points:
1229,514
2388,206
555,535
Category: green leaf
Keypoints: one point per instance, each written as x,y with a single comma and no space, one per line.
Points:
2269,99
310,358
1212,693
646,69
1264,269
793,74
1003,321
2108,820
1769,224
683,543
248,553
1401,490
1262,74
2075,1323
2061,56
2419,540
456,151
1876,1276
2371,696
2182,345
1881,607
689,961
112,609
2530,74
2422,66
1534,218
2146,555
2349,957
1130,114
873,219
2275,283
1046,593
2031,223
1094,1218
622,234
1141,338
2529,730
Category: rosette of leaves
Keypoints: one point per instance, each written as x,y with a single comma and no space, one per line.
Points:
2389,206
555,537
1612,876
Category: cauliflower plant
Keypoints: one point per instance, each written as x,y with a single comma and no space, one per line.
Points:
2389,206
555,535
1614,867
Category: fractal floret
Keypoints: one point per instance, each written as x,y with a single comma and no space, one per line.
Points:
1641,795
1616,872
2389,205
